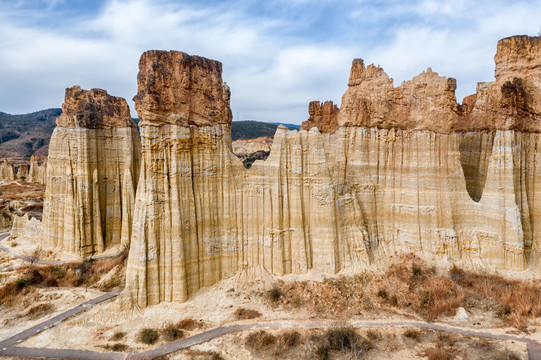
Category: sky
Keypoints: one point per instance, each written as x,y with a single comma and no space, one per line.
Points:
277,55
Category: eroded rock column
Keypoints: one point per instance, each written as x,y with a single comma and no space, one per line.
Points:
92,173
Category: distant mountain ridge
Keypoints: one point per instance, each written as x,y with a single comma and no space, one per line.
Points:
251,129
28,134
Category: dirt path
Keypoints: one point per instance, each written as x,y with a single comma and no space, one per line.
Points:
7,348
534,347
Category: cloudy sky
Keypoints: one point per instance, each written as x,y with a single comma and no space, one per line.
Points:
277,55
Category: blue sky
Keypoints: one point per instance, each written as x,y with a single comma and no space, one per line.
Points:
277,55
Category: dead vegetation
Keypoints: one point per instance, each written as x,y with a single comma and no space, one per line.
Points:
87,273
345,342
413,287
246,314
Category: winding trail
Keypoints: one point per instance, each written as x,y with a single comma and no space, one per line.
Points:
7,347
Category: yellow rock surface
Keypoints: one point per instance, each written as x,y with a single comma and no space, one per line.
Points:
92,172
402,173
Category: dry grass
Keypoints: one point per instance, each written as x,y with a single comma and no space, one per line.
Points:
190,324
117,336
414,287
171,332
38,310
203,355
260,340
245,314
517,301
412,333
437,353
148,336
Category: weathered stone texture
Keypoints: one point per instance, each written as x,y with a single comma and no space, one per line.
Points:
92,173
38,170
407,170
324,116
7,171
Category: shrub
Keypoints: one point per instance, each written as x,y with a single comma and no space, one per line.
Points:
260,340
245,314
413,334
382,293
119,347
289,339
321,352
189,324
341,337
171,332
275,294
436,353
148,336
119,335
39,310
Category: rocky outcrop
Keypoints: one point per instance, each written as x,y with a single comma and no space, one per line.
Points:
25,228
38,170
324,116
7,171
408,170
92,173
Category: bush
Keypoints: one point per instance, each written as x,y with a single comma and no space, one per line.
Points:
119,335
289,339
413,334
275,294
172,332
245,314
148,336
382,293
260,340
189,324
342,337
119,347
39,310
436,353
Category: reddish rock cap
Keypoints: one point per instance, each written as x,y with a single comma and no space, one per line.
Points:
177,88
93,109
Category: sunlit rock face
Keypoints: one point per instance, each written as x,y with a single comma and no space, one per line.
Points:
91,175
38,170
394,170
7,171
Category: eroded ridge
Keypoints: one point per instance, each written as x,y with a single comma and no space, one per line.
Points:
406,169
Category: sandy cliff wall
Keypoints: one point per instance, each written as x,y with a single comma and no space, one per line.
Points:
38,170
92,173
407,169
7,171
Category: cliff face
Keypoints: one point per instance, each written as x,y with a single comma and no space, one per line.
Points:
7,171
407,169
38,170
92,173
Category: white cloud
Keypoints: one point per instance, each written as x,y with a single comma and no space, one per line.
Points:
272,70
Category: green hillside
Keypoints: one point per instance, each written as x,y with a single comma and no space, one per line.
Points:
249,129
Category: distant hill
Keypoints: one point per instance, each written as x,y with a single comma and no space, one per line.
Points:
250,129
28,134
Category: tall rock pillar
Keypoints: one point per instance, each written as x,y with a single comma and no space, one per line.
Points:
92,173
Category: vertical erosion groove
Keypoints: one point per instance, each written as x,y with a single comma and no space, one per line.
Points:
475,150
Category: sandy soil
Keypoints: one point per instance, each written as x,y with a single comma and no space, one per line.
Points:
17,319
215,306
